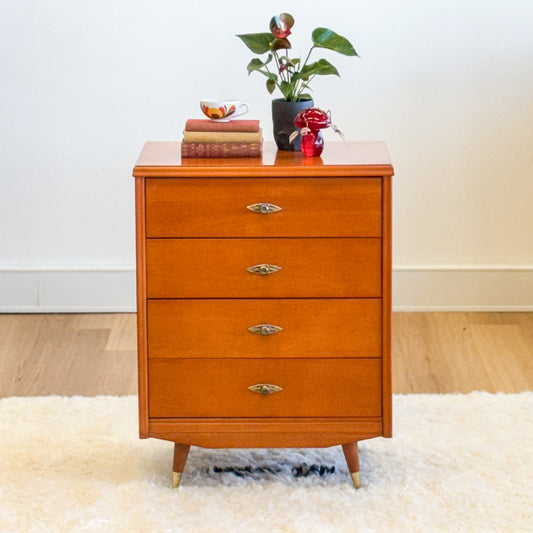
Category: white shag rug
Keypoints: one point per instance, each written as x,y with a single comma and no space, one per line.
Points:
456,463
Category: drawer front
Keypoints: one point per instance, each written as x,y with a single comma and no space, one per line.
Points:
220,328
217,268
182,388
310,207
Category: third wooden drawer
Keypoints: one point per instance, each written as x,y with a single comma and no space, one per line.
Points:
220,328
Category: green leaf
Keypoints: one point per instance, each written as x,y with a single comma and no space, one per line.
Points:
254,64
257,64
269,75
258,43
322,67
296,76
286,88
271,85
324,38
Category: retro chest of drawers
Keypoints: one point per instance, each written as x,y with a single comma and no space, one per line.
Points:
264,299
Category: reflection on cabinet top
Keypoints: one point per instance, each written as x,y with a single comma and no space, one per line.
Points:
163,159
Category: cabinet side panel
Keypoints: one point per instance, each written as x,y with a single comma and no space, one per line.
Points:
142,356
387,306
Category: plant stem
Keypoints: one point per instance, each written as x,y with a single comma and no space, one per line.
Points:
307,58
276,59
297,89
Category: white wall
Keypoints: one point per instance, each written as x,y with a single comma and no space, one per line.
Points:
448,85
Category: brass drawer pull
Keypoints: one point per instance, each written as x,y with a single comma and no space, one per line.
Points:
264,329
264,208
263,269
264,388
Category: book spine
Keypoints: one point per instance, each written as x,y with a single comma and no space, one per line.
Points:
221,136
194,149
194,124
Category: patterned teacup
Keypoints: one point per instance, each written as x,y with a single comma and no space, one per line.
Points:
222,109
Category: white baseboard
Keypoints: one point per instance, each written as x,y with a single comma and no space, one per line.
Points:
463,288
415,288
67,290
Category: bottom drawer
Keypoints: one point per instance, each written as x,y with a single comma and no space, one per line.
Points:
181,388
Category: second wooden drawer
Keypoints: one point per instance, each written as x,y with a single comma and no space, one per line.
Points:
217,268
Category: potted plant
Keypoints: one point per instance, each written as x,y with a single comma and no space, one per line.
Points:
291,76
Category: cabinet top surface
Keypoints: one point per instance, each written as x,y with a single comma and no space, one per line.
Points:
162,159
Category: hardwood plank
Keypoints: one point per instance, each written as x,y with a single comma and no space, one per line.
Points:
461,352
66,355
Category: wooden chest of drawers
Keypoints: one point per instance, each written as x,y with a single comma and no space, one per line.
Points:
264,299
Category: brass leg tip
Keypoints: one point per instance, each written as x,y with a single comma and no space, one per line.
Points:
356,478
176,478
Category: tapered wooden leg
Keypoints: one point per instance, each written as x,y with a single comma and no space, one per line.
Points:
351,453
180,458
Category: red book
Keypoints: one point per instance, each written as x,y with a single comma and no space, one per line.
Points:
198,124
211,149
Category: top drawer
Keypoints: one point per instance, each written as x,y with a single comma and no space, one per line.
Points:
310,207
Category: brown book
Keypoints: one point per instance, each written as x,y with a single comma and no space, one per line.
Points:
222,136
197,124
232,149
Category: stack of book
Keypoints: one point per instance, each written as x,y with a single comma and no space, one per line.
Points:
236,138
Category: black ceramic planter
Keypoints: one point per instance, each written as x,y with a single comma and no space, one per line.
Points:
283,114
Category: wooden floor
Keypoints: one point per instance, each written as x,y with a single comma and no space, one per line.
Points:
432,352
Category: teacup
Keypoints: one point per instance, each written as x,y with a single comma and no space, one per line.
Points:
222,109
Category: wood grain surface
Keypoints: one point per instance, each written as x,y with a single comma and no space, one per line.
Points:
163,159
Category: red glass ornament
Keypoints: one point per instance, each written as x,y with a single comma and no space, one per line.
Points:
312,143
311,121
312,118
